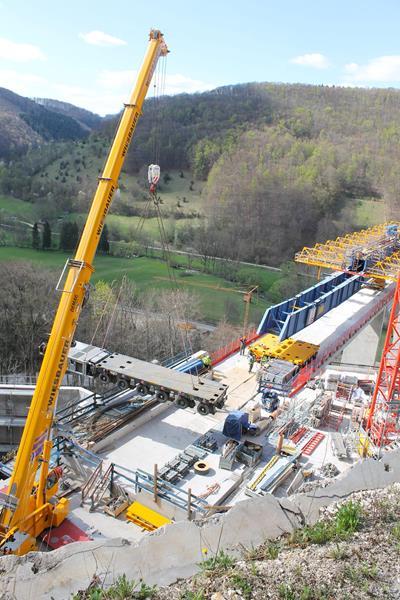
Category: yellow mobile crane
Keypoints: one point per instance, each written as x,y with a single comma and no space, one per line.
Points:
27,509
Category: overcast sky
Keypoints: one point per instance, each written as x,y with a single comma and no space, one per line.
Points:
88,52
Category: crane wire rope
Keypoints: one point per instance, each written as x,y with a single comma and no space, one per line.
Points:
113,311
159,89
103,312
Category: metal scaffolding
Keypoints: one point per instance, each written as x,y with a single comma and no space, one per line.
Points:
383,424
374,252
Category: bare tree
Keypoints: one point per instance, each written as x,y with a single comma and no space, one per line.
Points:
27,303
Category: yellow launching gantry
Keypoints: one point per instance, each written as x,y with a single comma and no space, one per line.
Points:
373,252
27,508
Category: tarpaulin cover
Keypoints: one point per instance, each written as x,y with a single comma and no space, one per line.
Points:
234,423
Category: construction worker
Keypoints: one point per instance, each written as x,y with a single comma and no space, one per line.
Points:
243,341
251,361
206,360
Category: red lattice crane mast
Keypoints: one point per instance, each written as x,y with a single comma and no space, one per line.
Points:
383,420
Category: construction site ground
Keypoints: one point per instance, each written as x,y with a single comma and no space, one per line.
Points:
166,431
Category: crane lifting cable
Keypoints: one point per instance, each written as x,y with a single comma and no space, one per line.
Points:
153,176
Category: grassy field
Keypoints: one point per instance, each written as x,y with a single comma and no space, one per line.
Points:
18,208
217,297
255,275
369,212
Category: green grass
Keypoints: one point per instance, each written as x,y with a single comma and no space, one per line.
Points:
245,274
18,208
178,188
122,589
127,226
220,562
289,592
347,520
216,295
368,212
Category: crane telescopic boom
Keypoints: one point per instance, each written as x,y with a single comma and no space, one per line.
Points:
26,508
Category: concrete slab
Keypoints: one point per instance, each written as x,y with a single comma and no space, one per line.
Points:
234,371
100,526
158,441
223,480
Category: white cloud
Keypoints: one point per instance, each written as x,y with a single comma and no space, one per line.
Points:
24,84
315,60
106,95
174,84
91,98
19,52
116,79
99,38
381,69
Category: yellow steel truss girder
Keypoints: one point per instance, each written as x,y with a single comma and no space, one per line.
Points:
335,254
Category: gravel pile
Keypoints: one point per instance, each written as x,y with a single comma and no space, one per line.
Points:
359,565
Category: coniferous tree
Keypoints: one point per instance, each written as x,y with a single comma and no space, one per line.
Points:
69,235
46,236
104,244
74,235
35,237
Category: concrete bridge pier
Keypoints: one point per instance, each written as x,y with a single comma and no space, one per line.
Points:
363,348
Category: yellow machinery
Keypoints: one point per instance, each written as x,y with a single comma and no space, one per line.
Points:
146,517
27,509
294,351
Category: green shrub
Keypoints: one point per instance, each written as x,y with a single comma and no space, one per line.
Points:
219,561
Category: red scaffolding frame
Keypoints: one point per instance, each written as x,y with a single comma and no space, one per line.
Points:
383,419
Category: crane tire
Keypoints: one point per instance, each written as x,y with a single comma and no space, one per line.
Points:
104,378
181,402
142,389
122,384
161,396
203,409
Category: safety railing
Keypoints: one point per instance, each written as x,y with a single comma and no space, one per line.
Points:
222,353
140,480
322,357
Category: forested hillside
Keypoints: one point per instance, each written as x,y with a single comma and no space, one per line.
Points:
25,124
87,119
250,171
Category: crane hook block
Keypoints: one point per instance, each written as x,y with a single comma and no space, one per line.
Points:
153,175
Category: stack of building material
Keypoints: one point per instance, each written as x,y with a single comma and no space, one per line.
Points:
180,465
311,445
250,453
272,475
